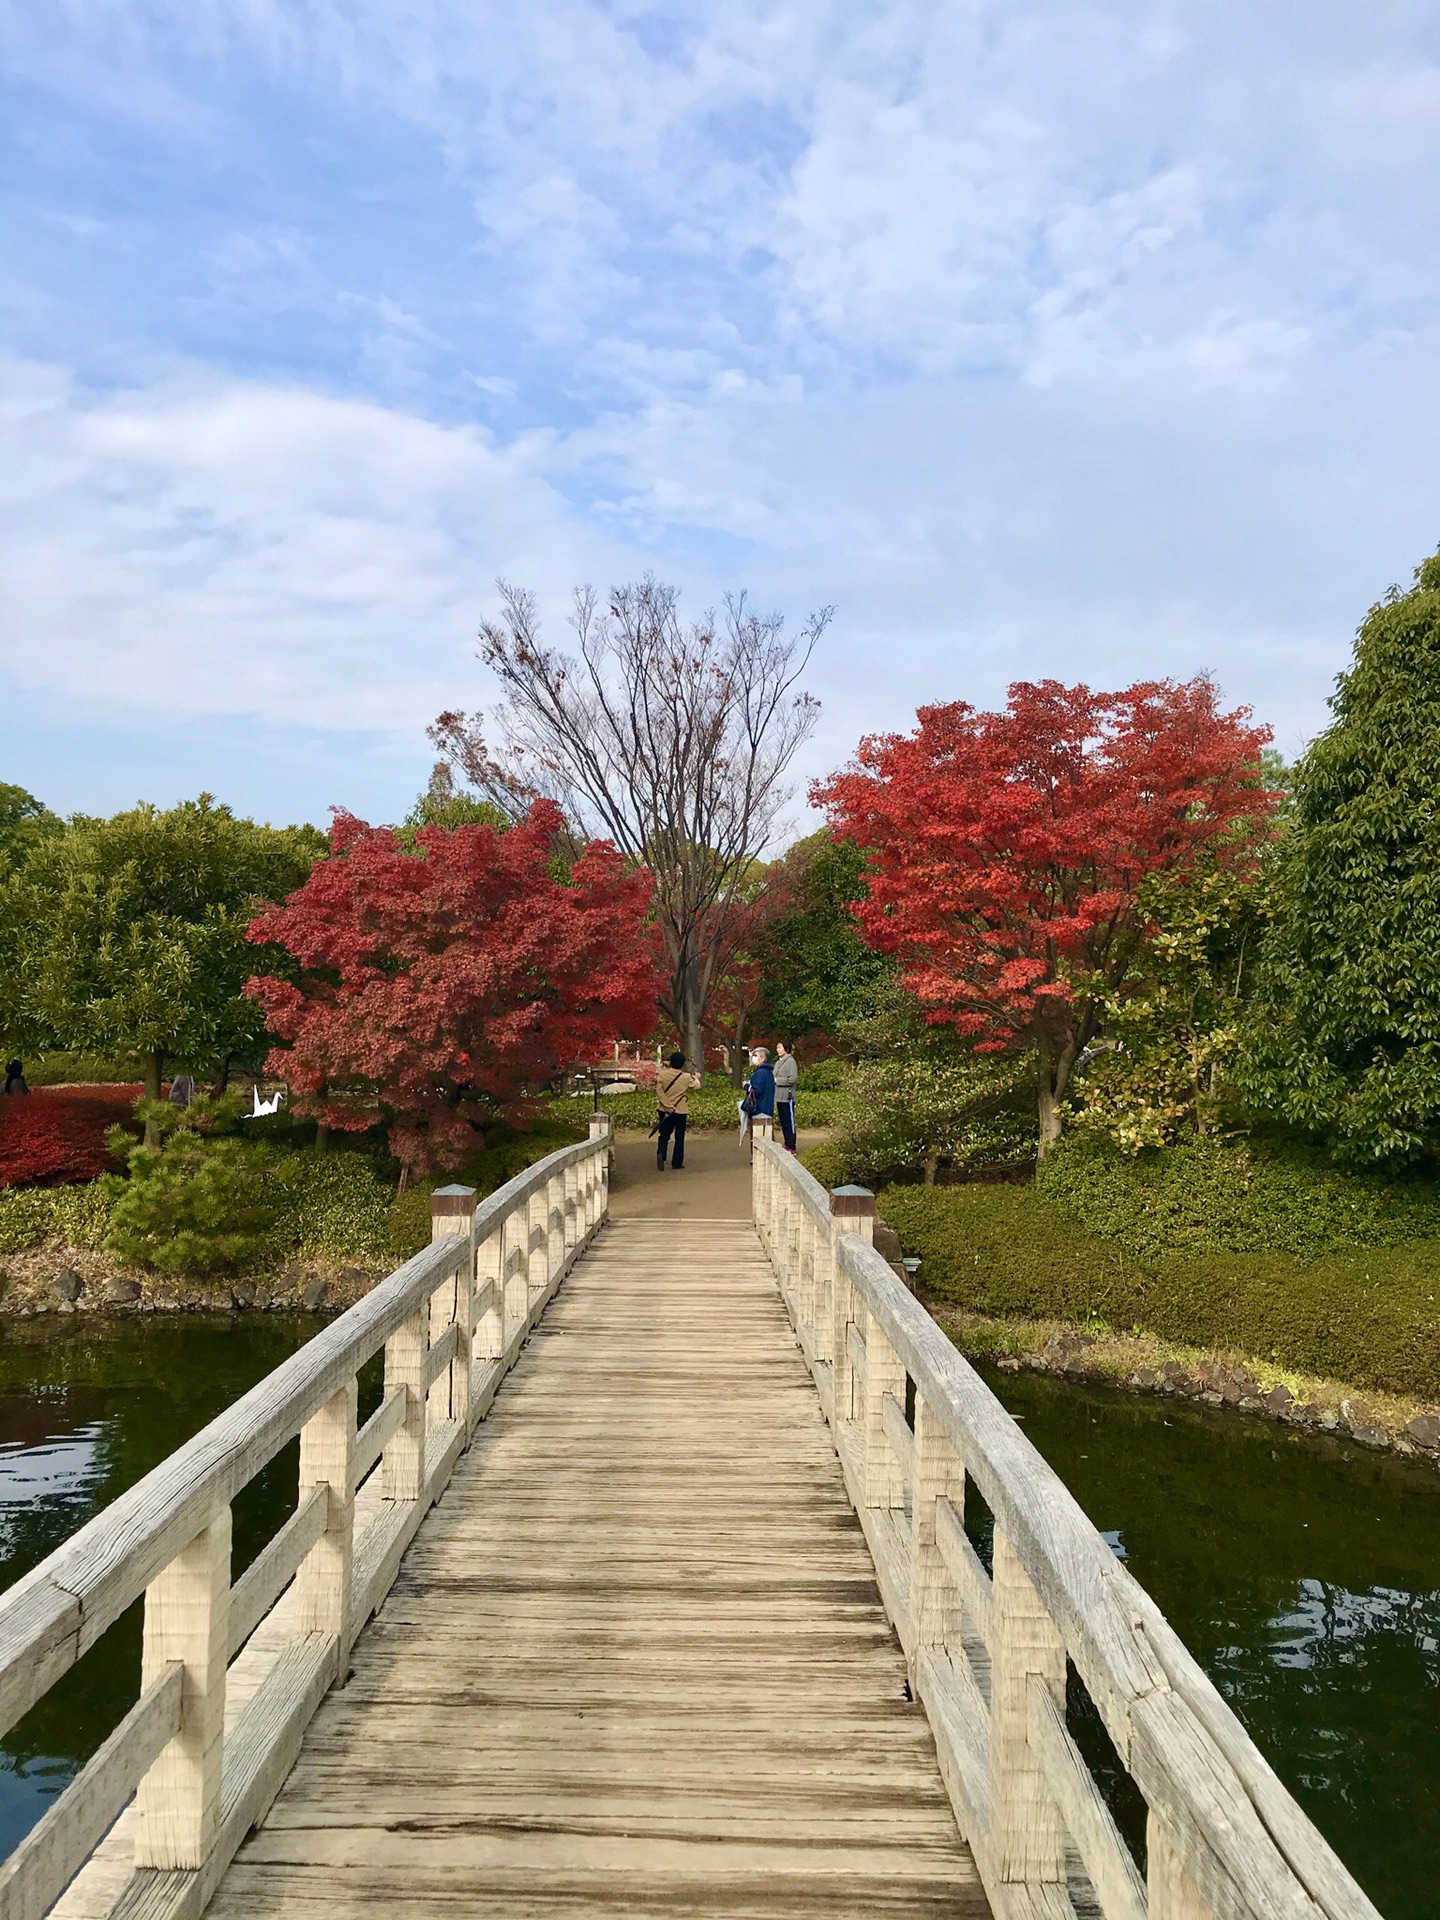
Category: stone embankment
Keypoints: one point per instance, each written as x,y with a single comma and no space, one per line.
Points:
1141,1363
68,1280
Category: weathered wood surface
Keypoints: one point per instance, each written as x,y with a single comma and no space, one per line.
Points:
636,1660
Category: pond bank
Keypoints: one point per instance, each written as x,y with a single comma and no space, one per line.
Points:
1143,1363
66,1280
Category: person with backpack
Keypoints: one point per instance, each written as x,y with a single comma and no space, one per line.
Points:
673,1086
787,1076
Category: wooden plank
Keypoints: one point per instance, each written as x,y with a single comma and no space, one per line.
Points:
646,1620
42,1866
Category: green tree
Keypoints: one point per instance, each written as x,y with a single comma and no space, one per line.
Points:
819,975
1344,1032
443,804
1164,1064
24,821
130,932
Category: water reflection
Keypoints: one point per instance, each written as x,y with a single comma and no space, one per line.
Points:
85,1410
1304,1573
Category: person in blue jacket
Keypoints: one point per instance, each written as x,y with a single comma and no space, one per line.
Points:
761,1084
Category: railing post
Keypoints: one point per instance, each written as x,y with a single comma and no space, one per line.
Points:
537,1241
515,1272
327,1459
405,1356
555,1224
852,1210
1027,1837
489,1341
600,1171
187,1619
1173,1891
571,1205
452,1210
936,1613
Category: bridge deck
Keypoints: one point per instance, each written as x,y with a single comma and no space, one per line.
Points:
636,1660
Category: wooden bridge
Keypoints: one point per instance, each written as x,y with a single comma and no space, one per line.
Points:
699,1627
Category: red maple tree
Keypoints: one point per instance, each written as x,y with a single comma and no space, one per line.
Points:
1007,848
435,986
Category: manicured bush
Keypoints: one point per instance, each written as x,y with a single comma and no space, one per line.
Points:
711,1107
1210,1194
76,1216
194,1206
1368,1316
56,1135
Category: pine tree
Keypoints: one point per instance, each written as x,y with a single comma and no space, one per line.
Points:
1344,1034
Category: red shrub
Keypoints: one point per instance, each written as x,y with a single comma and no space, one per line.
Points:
55,1136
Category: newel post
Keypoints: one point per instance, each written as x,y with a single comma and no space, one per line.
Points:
599,1172
852,1210
452,1210
187,1619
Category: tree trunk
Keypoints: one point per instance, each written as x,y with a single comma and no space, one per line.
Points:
221,1082
154,1067
932,1168
1054,1079
322,1136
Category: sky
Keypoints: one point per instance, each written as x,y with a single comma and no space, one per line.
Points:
1038,339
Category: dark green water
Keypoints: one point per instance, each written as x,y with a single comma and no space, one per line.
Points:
1304,1573
86,1408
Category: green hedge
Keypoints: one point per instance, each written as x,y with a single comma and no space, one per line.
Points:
1258,1195
339,1205
1367,1316
712,1107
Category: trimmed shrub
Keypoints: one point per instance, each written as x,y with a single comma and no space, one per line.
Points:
77,1216
1209,1195
711,1107
56,1135
1369,1316
194,1206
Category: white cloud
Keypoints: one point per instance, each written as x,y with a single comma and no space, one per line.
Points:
211,546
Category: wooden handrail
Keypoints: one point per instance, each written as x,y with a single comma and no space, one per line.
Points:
987,1653
201,1777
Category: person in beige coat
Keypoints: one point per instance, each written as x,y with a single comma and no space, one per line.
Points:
674,1085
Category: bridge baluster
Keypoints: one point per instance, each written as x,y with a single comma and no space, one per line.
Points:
537,1243
187,1619
571,1205
515,1266
852,1210
405,1355
936,1611
554,1226
1172,1891
1027,1839
327,1459
490,1287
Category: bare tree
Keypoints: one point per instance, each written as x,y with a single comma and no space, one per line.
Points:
671,741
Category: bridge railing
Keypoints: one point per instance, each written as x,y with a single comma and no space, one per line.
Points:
451,1322
987,1647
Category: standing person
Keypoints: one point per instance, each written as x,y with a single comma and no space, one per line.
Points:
673,1087
15,1077
759,1101
787,1076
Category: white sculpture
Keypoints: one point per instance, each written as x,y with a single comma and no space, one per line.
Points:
262,1107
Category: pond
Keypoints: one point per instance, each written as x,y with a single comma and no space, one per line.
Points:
1304,1574
1302,1571
86,1407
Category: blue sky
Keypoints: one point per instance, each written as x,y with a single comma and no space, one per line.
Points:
1097,341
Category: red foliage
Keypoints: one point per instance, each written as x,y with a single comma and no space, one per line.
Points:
55,1136
1008,847
433,989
